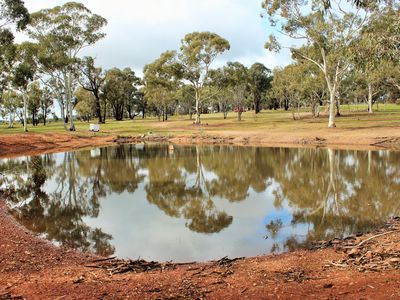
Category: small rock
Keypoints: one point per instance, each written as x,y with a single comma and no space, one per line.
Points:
328,286
79,280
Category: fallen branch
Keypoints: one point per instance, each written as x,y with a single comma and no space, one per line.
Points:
375,236
135,266
103,259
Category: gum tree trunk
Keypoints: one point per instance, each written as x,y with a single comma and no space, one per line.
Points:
25,111
370,110
69,93
332,108
197,121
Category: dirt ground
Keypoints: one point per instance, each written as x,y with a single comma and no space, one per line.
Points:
364,267
31,144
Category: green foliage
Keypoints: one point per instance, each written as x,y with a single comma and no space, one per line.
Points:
25,66
92,79
34,96
62,32
86,106
238,78
330,37
161,80
260,78
10,104
197,52
120,88
13,11
186,98
68,27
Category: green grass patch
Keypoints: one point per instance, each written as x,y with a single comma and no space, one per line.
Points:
351,118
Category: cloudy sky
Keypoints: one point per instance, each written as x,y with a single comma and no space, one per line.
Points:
139,31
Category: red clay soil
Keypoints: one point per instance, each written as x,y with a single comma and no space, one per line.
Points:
31,143
32,268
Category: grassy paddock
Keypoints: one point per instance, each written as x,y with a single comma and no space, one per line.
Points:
388,116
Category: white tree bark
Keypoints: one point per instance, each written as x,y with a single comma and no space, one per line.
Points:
197,121
69,93
370,110
11,119
332,107
25,112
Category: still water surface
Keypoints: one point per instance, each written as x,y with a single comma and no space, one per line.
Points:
200,202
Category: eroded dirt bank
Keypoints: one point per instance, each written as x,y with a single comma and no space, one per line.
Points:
31,143
32,268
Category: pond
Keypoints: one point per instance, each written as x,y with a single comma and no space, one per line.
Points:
200,202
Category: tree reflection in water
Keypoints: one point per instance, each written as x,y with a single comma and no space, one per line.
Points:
334,193
169,189
337,193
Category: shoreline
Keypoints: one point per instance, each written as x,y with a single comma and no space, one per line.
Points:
34,144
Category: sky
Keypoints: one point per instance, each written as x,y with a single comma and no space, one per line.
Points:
138,31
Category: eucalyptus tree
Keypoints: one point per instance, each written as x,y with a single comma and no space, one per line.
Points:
10,104
86,107
222,92
92,80
13,15
62,32
135,103
34,95
260,78
392,77
378,50
141,100
13,12
119,88
24,72
46,103
329,35
284,86
186,99
382,37
299,85
238,82
368,68
197,52
161,80
313,86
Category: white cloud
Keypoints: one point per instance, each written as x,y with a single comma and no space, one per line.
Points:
138,31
